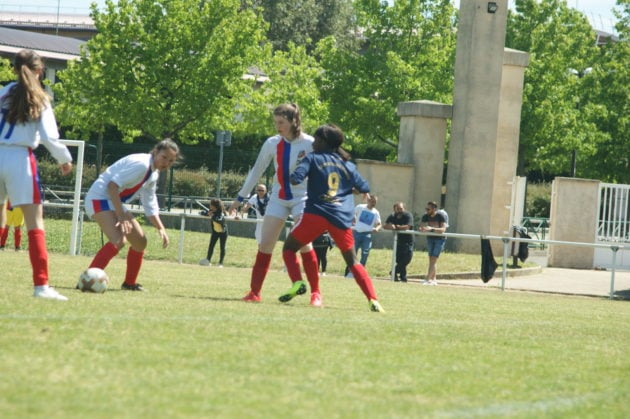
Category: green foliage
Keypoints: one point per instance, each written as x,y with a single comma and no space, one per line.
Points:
305,22
407,55
610,90
292,79
557,117
538,200
162,68
6,71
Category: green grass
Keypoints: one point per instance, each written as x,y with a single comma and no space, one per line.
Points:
190,348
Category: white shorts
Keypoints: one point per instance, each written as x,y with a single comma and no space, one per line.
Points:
19,180
94,206
280,208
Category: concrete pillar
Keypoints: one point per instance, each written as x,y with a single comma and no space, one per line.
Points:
421,143
574,211
486,117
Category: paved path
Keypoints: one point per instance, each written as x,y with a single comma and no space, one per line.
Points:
557,280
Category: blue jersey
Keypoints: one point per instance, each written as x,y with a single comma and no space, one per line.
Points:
329,186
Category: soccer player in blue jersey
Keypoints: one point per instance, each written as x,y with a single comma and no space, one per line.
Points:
332,179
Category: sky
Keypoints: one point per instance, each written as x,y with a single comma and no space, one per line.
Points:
598,11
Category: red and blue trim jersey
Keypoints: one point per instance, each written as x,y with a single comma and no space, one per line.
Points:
330,185
286,155
135,177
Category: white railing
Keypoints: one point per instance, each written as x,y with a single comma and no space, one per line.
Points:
614,248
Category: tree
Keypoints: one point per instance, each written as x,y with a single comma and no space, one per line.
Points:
557,118
611,89
407,54
305,22
162,68
6,71
291,78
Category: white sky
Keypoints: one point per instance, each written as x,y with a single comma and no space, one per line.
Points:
599,12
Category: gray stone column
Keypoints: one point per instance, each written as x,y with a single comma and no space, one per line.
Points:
421,143
486,119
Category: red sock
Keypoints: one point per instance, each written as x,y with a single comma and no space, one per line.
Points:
103,256
38,254
17,237
4,234
259,271
309,260
134,263
293,265
363,280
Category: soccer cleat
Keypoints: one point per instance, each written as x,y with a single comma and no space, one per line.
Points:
316,299
252,298
131,287
375,306
298,288
349,275
204,262
48,293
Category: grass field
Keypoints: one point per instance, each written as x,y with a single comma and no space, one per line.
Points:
190,348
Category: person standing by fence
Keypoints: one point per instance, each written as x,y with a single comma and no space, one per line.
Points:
322,244
433,221
27,119
366,221
219,232
397,221
258,202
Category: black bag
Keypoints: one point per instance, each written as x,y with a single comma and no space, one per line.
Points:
488,264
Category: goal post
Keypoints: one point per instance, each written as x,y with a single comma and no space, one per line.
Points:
76,202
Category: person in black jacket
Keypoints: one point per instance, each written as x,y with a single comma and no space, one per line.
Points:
401,220
321,245
219,232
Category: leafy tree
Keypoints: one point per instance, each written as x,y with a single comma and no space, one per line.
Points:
291,78
305,22
162,68
611,89
6,71
557,117
407,54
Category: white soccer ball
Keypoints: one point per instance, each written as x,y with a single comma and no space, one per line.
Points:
93,280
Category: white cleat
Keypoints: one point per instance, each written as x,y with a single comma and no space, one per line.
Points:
44,291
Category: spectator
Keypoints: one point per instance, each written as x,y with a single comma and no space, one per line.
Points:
219,232
367,220
401,220
130,176
286,150
27,119
15,219
258,202
329,207
321,245
433,221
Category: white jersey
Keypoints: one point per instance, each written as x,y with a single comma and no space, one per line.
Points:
135,176
31,133
286,156
365,219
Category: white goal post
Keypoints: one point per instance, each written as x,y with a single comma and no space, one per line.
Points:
76,202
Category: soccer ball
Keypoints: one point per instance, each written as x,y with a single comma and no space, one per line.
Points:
93,280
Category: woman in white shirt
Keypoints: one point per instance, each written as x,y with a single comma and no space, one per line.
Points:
27,119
